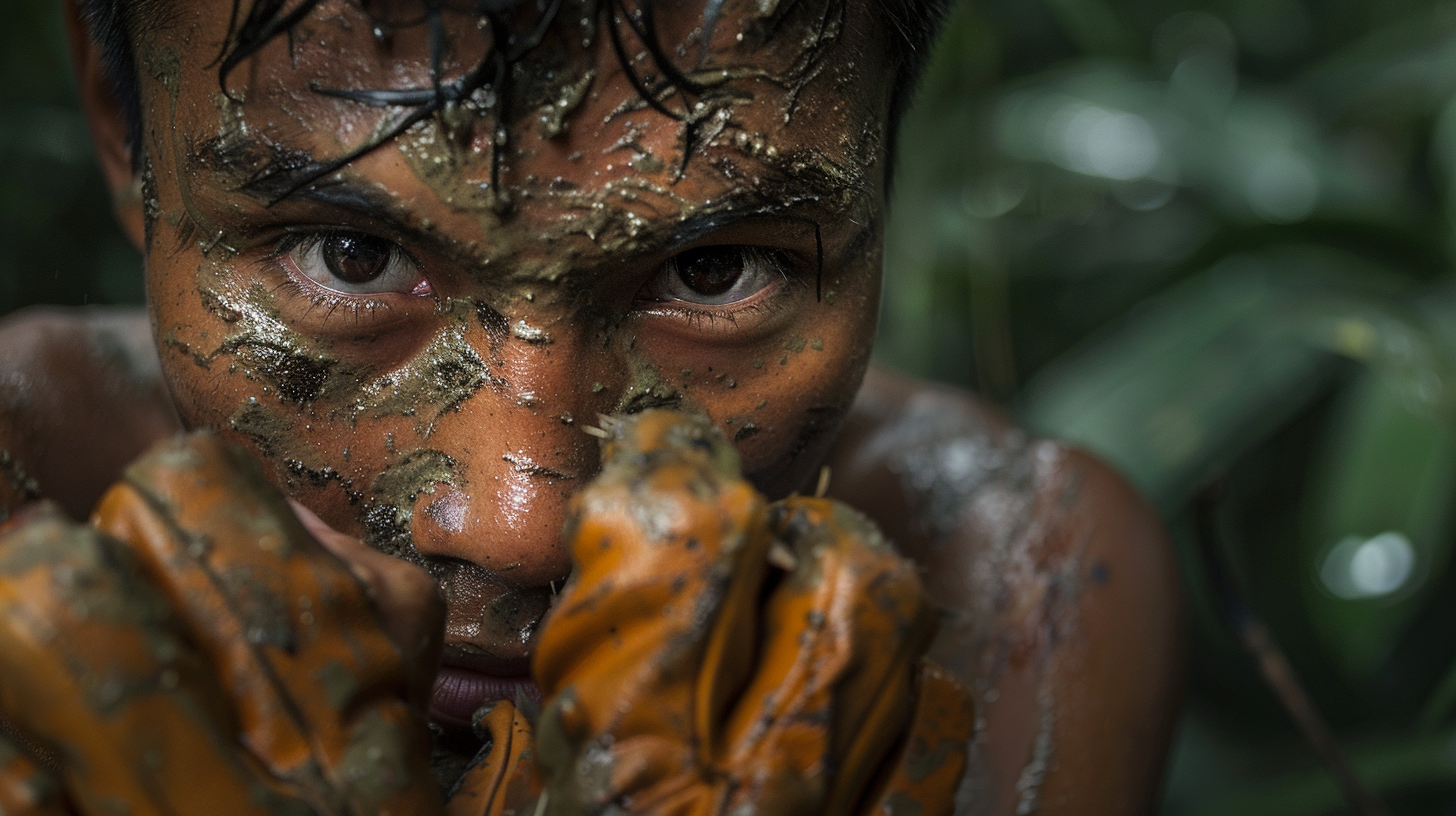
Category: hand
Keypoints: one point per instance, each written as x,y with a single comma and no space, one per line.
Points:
220,661
712,652
197,651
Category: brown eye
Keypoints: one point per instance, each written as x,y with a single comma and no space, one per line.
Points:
718,275
710,271
355,264
356,259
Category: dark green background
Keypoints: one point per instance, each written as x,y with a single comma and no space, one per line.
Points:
1203,239
57,241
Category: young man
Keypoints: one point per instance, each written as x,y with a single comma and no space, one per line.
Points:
403,252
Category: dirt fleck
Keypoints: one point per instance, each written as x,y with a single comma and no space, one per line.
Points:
387,515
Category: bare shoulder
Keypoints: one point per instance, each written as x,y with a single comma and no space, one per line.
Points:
81,394
959,465
1059,584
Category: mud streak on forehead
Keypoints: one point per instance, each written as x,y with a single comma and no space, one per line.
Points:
804,185
758,172
530,63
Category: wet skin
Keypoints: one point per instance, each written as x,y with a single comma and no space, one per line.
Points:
439,419
433,407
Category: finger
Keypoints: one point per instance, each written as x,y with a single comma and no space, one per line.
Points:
321,690
25,788
636,652
503,778
408,598
843,631
926,776
94,673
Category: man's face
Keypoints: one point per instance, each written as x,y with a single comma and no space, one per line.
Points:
416,342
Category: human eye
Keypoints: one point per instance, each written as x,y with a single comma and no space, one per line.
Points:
722,276
353,263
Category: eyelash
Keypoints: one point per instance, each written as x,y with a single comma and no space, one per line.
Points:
291,288
361,307
366,308
700,317
763,304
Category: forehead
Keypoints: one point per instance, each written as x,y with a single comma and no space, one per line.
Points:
615,115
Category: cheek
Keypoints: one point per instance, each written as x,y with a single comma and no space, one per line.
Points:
299,403
222,343
781,399
186,335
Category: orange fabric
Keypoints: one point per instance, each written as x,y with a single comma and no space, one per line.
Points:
688,675
26,790
94,670
196,651
319,689
933,764
504,781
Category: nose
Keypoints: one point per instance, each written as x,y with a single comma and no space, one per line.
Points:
522,454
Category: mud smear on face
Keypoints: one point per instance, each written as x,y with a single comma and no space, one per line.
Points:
553,116
484,609
610,216
448,152
641,212
646,387
436,380
392,497
310,382
261,346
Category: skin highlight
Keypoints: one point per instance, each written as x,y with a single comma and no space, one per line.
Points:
444,425
427,420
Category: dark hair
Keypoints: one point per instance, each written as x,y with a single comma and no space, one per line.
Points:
113,25
110,31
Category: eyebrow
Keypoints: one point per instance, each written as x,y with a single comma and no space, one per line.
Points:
270,169
270,174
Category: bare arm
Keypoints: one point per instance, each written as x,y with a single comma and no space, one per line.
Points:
1061,591
81,396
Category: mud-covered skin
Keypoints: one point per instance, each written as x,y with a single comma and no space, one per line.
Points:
333,393
536,321
714,653
1072,639
1061,590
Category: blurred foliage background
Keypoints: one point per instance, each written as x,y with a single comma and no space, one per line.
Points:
1205,240
58,243
1214,240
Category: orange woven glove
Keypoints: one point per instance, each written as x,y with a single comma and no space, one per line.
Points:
504,779
220,661
198,652
714,654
